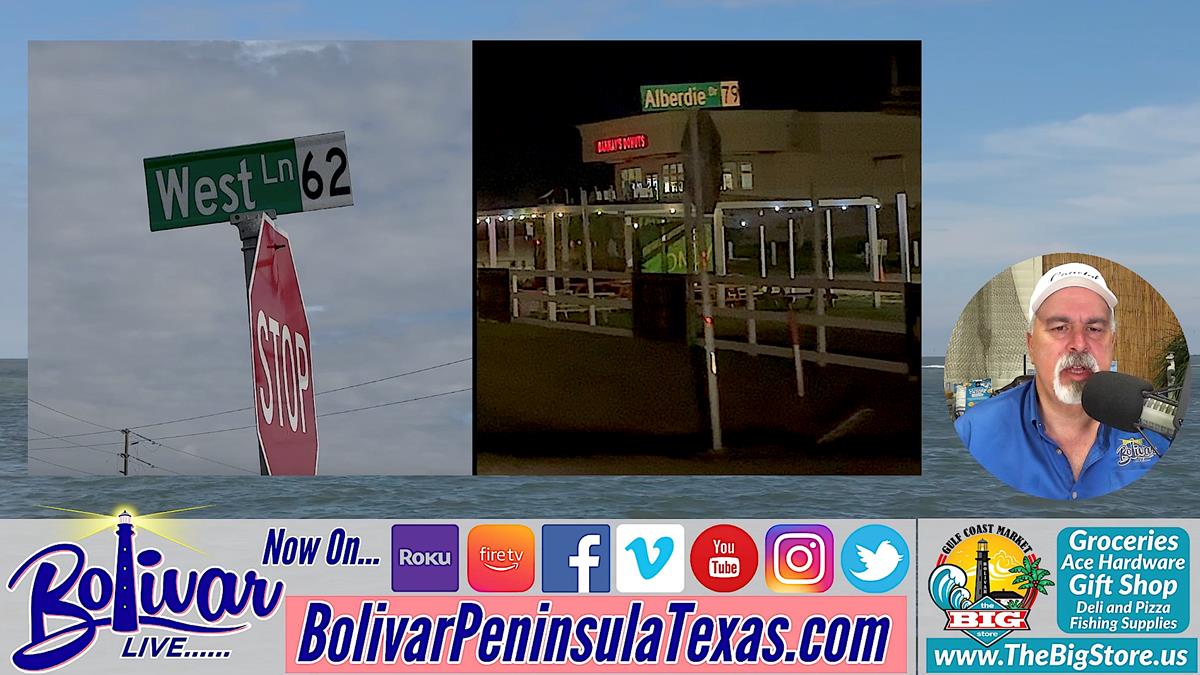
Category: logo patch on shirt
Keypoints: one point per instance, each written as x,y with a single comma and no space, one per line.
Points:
1134,450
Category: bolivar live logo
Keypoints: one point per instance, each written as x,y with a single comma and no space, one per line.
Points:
979,579
75,594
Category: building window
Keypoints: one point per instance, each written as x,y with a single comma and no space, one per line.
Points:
631,179
727,176
747,172
672,178
652,184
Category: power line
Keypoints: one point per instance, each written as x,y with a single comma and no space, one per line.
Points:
135,458
252,426
68,468
80,419
117,454
72,443
185,419
64,447
392,377
80,445
407,400
234,410
185,452
205,433
340,412
152,466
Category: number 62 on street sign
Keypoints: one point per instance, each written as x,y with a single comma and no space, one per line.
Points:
289,176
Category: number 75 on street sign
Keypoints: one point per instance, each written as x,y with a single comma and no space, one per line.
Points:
209,186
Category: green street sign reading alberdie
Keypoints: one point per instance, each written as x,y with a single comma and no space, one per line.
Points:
658,97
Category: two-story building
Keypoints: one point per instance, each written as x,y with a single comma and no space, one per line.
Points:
765,154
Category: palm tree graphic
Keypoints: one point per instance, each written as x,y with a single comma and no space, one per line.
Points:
1030,575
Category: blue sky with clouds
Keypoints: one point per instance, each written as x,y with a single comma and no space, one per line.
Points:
1046,126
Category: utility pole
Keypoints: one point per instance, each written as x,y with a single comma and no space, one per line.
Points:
125,455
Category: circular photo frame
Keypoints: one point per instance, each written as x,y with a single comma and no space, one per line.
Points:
1066,376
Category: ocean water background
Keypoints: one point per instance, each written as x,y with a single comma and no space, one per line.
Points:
951,485
12,420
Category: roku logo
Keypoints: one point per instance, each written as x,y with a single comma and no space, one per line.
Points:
409,557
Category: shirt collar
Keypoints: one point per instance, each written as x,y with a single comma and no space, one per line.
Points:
1033,415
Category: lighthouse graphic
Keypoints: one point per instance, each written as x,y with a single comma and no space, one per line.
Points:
124,618
983,578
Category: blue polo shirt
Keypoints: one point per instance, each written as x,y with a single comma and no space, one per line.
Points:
1006,435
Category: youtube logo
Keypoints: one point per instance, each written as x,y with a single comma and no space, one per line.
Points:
724,558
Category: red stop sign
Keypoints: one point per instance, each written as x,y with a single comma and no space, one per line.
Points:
284,406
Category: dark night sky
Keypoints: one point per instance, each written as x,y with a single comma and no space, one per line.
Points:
528,96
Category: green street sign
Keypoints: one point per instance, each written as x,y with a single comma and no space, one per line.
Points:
686,96
289,176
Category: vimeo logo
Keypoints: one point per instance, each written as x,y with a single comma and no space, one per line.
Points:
664,547
575,559
648,558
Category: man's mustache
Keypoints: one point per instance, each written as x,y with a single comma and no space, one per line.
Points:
1077,360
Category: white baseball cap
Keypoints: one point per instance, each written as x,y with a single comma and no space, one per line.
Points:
1067,276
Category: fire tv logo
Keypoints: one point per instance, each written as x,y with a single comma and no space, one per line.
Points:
500,558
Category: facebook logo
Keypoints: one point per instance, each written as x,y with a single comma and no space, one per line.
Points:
576,559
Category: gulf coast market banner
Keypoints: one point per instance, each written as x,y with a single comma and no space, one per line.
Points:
1057,596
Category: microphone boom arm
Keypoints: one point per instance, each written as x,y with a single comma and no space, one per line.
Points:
1148,441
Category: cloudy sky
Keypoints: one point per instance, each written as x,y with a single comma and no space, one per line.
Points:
132,328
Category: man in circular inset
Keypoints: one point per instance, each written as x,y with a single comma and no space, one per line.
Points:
1036,436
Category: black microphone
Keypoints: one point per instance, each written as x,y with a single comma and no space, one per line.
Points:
1130,404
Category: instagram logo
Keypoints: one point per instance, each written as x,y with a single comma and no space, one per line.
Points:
799,558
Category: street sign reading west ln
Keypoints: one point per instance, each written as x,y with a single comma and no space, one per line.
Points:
695,95
290,175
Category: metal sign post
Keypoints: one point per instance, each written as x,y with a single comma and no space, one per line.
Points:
873,251
248,226
710,347
902,227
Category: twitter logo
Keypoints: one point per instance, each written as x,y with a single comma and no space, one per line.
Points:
875,558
